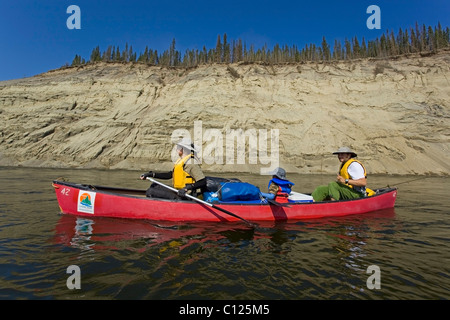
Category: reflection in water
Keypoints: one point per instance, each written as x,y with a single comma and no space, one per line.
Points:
94,233
350,244
173,249
83,231
353,239
349,232
308,259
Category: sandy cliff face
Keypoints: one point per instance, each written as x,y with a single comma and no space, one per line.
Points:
393,113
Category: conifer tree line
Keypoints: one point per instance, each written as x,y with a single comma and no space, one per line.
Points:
419,39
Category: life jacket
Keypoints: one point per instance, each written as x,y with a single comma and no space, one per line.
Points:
180,177
284,189
344,173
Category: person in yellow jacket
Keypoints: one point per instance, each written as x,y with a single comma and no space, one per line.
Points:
187,176
351,180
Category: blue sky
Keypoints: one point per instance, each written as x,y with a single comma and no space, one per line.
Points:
34,37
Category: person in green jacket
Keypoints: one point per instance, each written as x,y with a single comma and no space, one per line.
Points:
350,182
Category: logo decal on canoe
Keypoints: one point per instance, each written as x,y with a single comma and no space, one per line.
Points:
86,201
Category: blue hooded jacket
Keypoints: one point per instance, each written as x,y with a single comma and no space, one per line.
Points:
285,185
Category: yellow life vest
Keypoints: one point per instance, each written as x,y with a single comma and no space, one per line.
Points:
181,177
344,173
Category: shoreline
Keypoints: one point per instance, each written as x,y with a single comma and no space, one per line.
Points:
224,173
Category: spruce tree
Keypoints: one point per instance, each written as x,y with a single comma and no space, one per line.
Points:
348,50
117,56
95,55
172,53
337,50
76,61
226,49
363,51
412,40
326,50
218,53
356,53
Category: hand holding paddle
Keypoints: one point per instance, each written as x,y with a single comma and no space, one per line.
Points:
147,175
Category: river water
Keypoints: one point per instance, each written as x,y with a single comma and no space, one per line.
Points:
322,259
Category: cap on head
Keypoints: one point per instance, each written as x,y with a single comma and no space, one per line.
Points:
279,173
345,150
187,144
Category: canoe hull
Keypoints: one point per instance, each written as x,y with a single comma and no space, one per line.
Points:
84,200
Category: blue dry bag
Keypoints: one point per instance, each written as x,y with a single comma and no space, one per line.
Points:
238,191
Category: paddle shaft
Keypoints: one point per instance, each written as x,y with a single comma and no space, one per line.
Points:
202,202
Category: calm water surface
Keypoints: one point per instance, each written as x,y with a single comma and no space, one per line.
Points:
313,259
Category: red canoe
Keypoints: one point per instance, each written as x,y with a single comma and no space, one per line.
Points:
88,200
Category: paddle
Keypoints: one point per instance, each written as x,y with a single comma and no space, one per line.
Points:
204,202
278,204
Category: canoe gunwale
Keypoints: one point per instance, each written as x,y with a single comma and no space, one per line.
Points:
125,192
